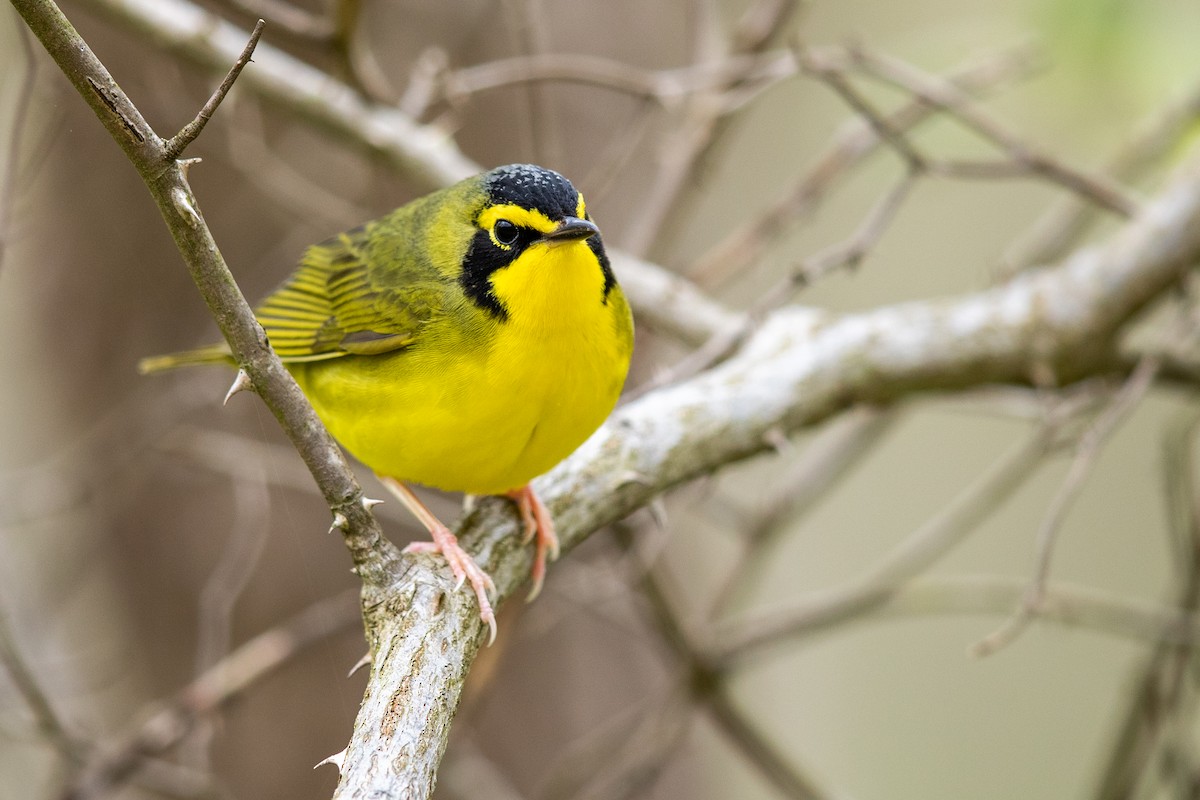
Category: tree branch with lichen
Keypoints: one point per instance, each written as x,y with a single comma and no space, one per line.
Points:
165,177
798,367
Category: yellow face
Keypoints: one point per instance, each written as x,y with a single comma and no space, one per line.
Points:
535,255
528,218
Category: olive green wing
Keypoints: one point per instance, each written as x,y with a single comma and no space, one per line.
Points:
342,301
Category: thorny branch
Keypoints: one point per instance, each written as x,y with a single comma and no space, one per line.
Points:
781,375
166,179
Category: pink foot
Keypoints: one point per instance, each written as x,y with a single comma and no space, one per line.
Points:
537,522
446,543
465,570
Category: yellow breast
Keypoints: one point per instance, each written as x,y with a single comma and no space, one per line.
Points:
486,411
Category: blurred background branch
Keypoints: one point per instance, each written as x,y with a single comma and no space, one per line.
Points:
711,648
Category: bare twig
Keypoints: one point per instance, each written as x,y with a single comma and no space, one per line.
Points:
669,87
173,147
672,304
846,254
425,81
49,724
468,773
1086,453
1171,666
761,24
239,558
166,179
850,253
223,681
529,28
623,761
1169,674
828,458
700,130
423,154
961,107
1069,217
785,776
835,78
287,187
745,244
917,552
708,686
1067,605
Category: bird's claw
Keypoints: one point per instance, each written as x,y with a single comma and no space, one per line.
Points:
465,570
538,523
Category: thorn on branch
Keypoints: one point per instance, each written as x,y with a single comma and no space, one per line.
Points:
186,164
362,662
186,208
240,384
179,142
337,759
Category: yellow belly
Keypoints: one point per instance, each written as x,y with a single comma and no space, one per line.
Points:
483,419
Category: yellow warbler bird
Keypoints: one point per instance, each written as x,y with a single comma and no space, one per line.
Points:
469,340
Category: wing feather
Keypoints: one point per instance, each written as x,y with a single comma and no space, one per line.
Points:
331,305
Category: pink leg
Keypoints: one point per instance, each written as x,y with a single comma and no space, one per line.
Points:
446,543
537,521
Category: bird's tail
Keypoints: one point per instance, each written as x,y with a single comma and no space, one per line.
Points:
212,354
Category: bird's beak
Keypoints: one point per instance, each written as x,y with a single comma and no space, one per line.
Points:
571,229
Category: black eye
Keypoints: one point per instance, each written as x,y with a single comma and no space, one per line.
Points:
506,233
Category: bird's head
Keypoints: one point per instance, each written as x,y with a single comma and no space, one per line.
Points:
532,238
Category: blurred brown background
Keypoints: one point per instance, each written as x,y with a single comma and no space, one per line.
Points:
144,529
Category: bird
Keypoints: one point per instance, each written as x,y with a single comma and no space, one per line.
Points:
469,341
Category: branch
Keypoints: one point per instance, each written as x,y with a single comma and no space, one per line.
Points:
1157,700
800,367
1064,604
668,87
179,142
252,661
832,453
746,243
672,304
1069,217
48,722
960,106
1087,451
166,179
422,153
